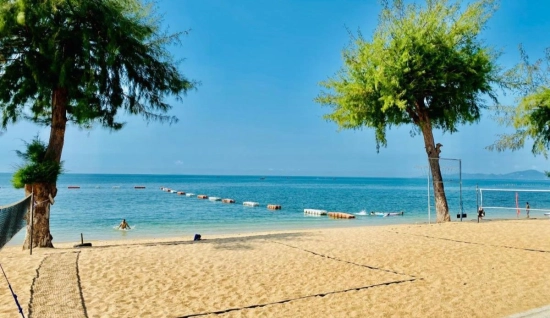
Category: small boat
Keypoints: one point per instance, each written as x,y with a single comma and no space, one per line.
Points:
387,213
547,214
214,198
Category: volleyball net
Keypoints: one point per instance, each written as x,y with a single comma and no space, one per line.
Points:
514,201
13,219
451,174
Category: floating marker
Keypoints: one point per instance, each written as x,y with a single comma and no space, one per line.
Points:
315,212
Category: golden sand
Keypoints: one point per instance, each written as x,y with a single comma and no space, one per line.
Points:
490,269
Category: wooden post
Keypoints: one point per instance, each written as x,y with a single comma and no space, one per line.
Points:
32,217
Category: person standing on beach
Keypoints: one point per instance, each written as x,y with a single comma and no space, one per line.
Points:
527,209
124,225
480,214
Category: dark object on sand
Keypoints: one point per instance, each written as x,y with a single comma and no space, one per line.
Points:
197,237
82,244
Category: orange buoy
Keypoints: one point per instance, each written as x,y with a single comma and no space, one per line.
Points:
228,201
202,196
273,206
181,193
341,215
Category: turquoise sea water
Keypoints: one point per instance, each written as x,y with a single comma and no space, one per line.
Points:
103,200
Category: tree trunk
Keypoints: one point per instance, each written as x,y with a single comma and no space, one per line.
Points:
441,206
41,236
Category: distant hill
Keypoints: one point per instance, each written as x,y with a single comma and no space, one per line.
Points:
517,175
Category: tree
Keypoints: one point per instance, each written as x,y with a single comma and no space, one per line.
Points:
36,170
531,117
82,62
424,66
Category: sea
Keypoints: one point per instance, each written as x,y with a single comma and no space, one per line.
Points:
102,200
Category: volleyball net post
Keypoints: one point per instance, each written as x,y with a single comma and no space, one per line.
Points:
426,169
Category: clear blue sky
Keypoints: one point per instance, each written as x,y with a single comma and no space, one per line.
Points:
260,63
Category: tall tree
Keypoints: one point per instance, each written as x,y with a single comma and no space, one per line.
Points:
424,66
531,116
82,62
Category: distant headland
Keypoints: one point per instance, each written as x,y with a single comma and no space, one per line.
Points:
516,175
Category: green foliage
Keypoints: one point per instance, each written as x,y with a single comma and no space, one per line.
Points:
17,179
36,168
108,55
531,117
424,66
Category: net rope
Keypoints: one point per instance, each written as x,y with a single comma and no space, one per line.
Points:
513,208
501,199
12,219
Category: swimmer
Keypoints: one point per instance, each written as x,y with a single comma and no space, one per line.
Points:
124,225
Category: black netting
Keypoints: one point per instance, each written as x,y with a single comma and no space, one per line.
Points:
12,219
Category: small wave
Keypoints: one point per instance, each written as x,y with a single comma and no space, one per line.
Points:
132,227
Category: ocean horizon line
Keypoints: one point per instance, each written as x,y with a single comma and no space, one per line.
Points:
465,175
229,175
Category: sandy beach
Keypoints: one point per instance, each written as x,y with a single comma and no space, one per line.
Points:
490,269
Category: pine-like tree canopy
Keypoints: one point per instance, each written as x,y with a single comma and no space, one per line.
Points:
106,56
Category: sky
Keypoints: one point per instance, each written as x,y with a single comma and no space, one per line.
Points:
259,64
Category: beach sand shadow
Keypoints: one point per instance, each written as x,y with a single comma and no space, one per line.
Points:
227,243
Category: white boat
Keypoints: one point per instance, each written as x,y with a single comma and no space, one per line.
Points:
387,213
250,203
189,194
214,198
315,212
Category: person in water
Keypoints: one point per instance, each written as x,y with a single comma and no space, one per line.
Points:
527,207
124,225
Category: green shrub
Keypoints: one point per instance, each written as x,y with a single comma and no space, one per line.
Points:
36,168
